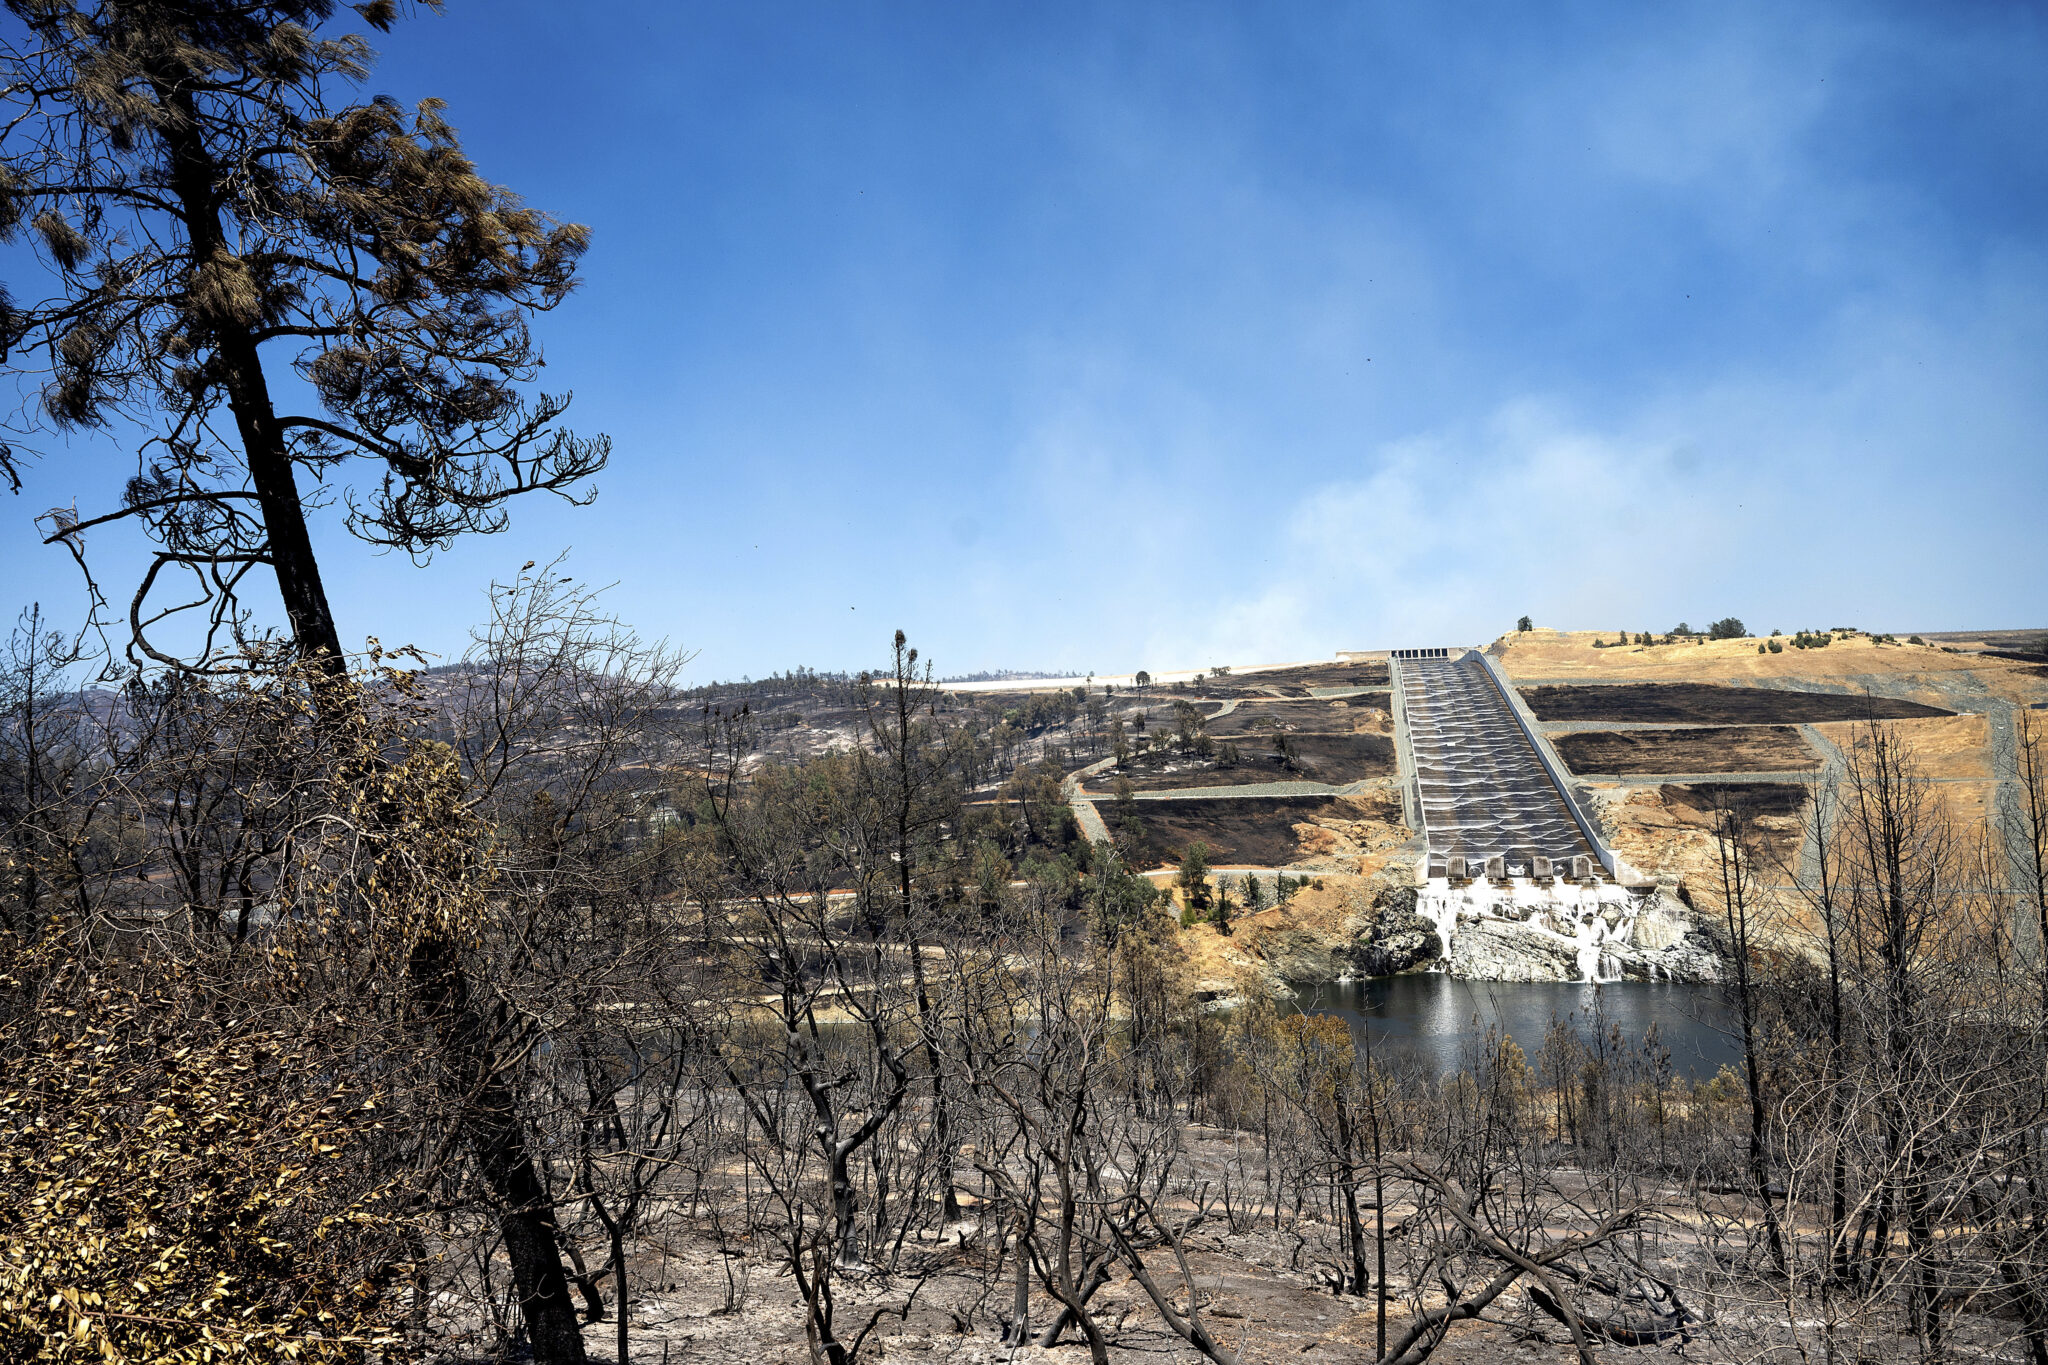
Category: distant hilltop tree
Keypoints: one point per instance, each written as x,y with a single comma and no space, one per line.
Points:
1142,678
271,283
1524,624
1727,628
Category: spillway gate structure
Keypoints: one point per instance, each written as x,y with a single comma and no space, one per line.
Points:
1488,793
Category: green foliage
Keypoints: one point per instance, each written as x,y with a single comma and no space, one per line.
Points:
1117,898
1524,624
991,877
1193,876
1056,875
1727,628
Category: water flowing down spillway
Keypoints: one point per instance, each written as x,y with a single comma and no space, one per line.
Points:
1483,789
1590,922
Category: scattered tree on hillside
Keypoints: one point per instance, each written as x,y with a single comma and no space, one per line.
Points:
1727,628
1524,624
1193,876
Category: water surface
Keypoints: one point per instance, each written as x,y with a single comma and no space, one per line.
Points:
1432,1019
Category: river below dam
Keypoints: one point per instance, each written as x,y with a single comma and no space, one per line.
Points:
1431,1020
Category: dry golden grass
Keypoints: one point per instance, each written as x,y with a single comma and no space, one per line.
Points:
1570,654
1939,746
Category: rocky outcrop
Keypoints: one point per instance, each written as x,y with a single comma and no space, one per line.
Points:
1395,938
1377,933
1386,925
1503,950
1663,941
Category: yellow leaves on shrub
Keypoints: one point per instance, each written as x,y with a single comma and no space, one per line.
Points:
156,1204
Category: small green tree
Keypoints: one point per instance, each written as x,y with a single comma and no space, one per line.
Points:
1727,628
1254,895
1221,915
1524,624
1193,878
1117,897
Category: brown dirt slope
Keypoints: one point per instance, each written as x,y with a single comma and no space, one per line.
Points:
1332,759
1295,682
1254,716
1712,704
1252,831
1720,749
1667,830
1927,673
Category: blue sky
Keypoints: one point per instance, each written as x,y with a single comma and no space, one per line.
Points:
1125,336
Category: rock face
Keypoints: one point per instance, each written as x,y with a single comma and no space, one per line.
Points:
1395,938
1502,950
1637,937
1665,942
1385,927
1379,934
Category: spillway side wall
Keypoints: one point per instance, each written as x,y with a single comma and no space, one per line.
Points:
1548,758
1404,758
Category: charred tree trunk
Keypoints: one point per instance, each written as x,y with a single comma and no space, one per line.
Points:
490,1123
290,547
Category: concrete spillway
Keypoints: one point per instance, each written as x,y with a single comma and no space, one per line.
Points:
1515,880
1484,791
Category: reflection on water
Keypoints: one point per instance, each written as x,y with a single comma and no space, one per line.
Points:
1429,1018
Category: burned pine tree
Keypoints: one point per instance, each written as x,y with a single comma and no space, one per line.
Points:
215,226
